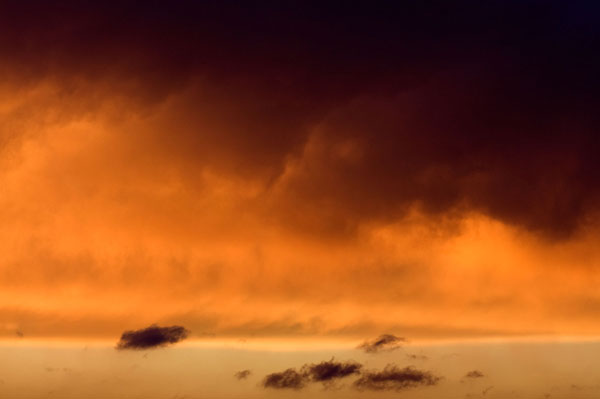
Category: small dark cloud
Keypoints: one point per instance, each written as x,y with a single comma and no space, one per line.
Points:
385,342
19,333
474,374
393,378
331,370
242,374
288,379
152,337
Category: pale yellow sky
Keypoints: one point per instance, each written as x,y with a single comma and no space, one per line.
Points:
514,370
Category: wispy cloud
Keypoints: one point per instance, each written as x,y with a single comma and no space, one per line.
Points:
326,372
393,378
385,342
474,374
242,374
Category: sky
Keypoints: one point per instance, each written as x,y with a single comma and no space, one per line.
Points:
389,198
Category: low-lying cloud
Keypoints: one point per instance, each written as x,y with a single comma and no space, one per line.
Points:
393,378
413,356
288,379
326,372
331,370
384,343
152,337
474,374
242,374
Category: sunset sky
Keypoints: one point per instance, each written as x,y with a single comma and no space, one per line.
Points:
294,199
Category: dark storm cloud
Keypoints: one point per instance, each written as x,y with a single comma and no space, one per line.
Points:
474,374
392,378
469,106
288,379
242,374
385,342
152,337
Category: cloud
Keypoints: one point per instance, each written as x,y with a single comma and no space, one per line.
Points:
152,337
331,370
515,112
474,374
413,356
288,379
242,374
392,378
384,343
326,372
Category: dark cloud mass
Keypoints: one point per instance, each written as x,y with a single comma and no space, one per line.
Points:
385,342
242,374
152,337
469,106
392,378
